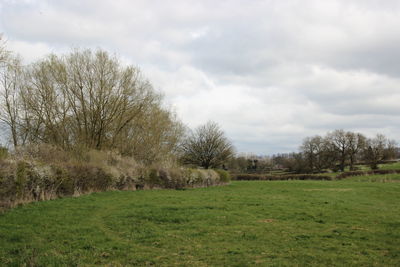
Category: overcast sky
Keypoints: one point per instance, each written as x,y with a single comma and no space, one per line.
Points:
269,72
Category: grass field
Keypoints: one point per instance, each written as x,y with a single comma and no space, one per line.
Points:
384,178
390,166
332,223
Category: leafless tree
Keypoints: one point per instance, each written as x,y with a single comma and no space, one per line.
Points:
375,150
314,150
379,148
355,144
345,148
207,147
11,80
391,150
339,144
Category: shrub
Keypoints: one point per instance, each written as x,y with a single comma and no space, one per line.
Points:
7,182
176,179
89,178
224,176
61,184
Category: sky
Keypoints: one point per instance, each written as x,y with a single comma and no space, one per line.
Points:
270,73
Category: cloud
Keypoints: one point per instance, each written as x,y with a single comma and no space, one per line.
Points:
269,72
31,51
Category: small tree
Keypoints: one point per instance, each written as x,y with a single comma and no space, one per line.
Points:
206,147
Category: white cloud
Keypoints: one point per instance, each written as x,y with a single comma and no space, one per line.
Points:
270,72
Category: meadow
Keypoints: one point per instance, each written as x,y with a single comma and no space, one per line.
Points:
247,223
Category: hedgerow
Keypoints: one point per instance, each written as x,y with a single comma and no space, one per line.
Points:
46,172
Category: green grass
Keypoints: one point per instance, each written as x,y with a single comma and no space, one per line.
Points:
376,178
286,223
360,168
390,166
386,166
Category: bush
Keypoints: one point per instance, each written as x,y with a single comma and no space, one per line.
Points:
20,179
88,178
224,176
179,178
7,182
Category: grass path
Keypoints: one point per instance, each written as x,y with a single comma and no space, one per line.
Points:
338,223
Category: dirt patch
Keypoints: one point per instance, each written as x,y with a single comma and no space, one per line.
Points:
268,221
359,228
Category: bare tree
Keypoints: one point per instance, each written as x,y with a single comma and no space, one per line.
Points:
312,150
391,149
206,147
340,149
339,144
375,149
356,143
11,80
378,149
238,164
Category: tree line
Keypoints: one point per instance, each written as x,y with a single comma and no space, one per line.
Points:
335,151
340,149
